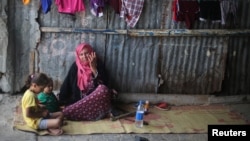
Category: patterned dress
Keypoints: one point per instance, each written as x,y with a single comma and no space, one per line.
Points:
92,104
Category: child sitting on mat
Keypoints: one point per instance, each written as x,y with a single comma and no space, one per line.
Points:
48,99
35,116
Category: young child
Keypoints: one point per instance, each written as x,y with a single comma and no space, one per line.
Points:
48,99
35,116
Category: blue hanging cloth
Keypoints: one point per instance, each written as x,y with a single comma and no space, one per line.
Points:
46,5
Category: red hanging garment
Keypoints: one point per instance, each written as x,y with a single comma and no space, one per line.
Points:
188,11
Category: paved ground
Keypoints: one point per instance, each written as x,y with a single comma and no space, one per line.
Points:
7,107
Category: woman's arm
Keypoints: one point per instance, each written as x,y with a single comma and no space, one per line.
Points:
97,68
93,63
101,77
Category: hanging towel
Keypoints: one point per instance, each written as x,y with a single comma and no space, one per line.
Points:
187,11
227,7
210,10
96,7
46,4
25,2
131,11
116,4
70,6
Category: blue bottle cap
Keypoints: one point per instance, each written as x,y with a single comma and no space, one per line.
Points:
140,102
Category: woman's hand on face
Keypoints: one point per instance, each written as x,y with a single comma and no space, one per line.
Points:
92,62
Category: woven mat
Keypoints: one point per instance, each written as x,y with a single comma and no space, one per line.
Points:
181,119
72,127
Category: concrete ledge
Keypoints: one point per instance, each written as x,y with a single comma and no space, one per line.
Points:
1,97
181,99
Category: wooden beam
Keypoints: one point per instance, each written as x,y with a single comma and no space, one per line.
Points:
187,32
153,32
81,30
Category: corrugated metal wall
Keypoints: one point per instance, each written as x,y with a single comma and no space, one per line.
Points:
136,64
193,64
237,76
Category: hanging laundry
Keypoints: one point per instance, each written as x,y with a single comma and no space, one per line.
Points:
96,7
187,11
46,4
116,4
69,6
175,9
131,11
228,7
25,2
210,10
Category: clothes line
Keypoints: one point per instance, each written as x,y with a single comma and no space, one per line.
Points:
152,32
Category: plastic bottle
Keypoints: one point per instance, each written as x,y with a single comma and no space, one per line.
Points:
139,115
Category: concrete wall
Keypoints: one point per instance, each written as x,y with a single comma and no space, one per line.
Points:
4,76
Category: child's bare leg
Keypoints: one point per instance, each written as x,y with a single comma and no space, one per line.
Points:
54,123
57,115
54,126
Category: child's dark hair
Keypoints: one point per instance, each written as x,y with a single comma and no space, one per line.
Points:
50,82
40,79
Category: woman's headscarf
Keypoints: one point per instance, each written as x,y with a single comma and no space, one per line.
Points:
84,72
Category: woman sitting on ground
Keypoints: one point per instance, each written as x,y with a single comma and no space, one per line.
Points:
83,92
